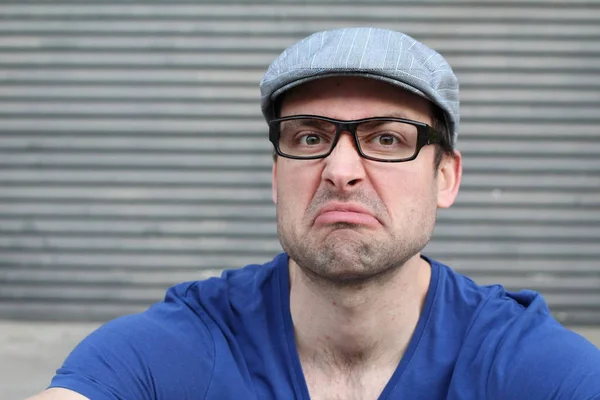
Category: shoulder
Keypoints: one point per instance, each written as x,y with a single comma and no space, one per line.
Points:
538,358
526,353
168,351
142,356
457,293
487,309
218,299
236,292
512,347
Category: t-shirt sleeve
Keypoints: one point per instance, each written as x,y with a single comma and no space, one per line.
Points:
164,353
540,359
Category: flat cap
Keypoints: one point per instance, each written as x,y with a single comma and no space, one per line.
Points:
382,54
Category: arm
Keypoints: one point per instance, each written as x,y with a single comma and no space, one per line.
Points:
58,394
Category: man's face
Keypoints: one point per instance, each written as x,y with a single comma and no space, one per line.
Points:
348,219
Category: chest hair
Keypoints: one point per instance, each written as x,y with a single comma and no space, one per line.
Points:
346,383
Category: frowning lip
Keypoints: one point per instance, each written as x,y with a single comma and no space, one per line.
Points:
351,213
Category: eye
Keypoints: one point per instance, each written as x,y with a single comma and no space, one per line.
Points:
310,139
386,139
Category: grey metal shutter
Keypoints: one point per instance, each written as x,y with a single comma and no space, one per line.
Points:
133,154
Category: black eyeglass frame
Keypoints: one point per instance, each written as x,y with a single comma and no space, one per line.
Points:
426,135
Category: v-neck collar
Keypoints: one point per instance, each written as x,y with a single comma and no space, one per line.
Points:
297,375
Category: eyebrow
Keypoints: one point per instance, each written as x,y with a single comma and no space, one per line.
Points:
310,122
377,124
402,115
399,114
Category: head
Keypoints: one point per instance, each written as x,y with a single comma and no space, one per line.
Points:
343,217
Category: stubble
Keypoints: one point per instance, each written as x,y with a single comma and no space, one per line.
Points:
345,254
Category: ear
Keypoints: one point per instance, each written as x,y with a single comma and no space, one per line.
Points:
448,179
274,182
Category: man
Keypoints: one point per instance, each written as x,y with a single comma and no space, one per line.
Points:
363,122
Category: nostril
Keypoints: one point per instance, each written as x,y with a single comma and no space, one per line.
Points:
353,182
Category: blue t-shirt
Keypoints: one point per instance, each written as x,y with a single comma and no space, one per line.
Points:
232,338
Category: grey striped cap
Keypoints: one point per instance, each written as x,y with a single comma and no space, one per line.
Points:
375,53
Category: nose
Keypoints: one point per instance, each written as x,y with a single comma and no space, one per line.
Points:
344,166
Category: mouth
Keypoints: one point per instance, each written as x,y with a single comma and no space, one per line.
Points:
346,213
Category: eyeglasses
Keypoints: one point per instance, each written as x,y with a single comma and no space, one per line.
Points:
385,139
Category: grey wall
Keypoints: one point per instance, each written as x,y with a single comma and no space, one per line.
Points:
133,154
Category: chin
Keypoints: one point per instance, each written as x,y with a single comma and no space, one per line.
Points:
345,266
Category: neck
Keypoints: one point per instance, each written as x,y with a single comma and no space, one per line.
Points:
348,326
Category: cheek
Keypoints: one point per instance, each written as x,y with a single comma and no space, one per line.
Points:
408,192
296,186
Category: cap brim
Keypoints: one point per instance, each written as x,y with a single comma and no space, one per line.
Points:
277,93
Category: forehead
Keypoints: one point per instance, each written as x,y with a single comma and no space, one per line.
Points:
349,98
